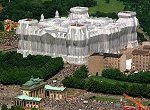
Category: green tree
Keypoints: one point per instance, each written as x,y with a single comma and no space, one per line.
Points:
82,72
73,82
34,109
4,107
107,1
113,74
1,26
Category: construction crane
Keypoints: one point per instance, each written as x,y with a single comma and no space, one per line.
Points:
136,101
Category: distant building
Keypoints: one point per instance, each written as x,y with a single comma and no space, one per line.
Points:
141,59
146,43
98,62
76,37
34,91
146,47
34,88
32,94
56,93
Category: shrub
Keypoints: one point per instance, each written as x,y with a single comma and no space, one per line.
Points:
73,82
81,73
113,74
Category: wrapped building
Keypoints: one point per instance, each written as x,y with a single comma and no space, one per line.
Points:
76,37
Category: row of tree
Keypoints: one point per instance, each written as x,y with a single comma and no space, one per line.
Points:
140,77
14,69
105,14
19,9
100,84
117,87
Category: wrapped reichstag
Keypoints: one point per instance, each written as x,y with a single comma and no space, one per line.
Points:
77,36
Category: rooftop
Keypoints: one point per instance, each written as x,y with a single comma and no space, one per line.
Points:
140,52
33,83
48,87
146,47
25,97
107,55
112,55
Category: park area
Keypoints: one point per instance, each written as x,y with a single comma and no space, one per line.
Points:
111,6
14,69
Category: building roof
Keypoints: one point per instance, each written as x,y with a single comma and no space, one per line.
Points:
48,87
140,52
26,97
146,47
33,83
107,55
112,55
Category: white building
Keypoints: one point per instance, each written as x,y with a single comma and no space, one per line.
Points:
77,36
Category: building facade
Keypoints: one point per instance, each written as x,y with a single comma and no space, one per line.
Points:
98,62
76,37
141,59
56,93
34,88
32,94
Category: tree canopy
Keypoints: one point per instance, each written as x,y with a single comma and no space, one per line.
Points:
14,69
19,9
78,79
4,107
142,8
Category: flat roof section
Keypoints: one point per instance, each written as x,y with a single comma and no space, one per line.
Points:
48,87
25,97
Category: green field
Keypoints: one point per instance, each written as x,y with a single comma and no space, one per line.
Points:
117,98
102,6
112,81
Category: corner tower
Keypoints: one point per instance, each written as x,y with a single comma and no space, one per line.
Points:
79,13
132,24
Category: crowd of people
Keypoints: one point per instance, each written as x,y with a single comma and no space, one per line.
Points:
7,94
68,70
8,41
80,104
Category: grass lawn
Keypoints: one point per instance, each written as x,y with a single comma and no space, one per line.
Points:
110,99
100,78
117,97
102,6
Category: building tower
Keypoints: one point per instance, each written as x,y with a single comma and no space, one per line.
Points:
132,23
56,14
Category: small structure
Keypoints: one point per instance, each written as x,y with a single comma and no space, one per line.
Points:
141,59
28,102
56,93
57,14
32,94
34,91
34,88
42,18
